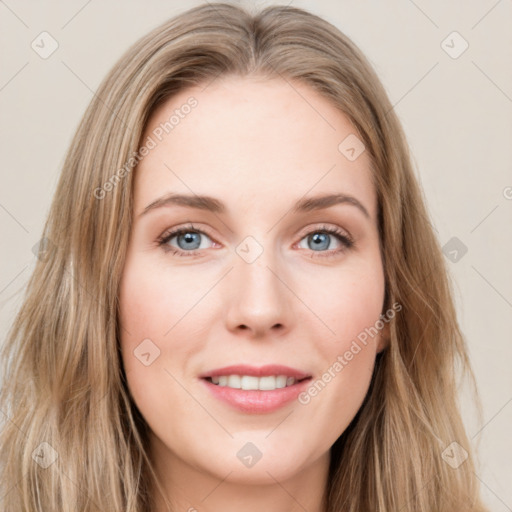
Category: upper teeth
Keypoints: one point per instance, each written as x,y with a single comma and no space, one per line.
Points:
249,382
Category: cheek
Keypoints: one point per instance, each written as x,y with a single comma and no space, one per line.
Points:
157,343
153,318
348,303
350,306
152,302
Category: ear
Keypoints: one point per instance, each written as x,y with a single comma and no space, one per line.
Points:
384,338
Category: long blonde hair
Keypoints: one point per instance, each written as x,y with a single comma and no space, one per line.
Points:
64,383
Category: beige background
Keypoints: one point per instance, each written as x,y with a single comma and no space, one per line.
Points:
456,113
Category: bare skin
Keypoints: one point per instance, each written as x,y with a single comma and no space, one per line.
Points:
258,146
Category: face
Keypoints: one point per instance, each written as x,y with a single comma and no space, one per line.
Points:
261,276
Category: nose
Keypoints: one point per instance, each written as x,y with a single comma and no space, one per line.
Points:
259,301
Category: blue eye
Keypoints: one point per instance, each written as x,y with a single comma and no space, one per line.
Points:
189,241
319,241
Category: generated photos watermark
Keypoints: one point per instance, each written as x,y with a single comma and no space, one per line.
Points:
344,359
150,143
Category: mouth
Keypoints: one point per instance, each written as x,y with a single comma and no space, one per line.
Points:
255,390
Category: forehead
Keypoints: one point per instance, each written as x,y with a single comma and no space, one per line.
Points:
250,140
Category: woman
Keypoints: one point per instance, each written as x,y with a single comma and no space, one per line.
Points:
241,299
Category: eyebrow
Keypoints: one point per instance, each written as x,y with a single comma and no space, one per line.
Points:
211,204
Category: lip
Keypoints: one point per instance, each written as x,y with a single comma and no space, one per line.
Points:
256,401
260,371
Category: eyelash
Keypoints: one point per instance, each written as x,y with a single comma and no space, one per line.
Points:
345,240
